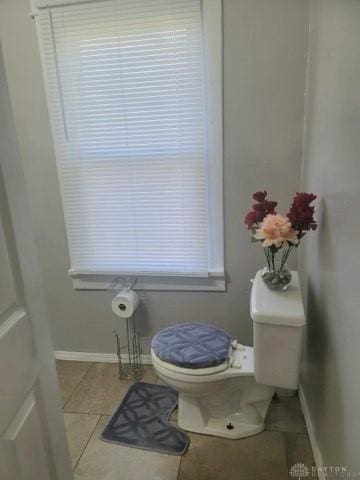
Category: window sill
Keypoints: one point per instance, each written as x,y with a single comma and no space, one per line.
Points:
214,282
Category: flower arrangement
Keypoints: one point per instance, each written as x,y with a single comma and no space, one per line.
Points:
276,232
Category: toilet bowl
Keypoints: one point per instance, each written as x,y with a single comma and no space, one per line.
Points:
223,400
226,388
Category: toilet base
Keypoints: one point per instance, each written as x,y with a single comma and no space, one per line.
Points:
206,415
228,403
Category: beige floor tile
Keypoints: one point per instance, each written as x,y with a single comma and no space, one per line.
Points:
285,415
101,390
298,450
261,457
79,428
70,375
106,461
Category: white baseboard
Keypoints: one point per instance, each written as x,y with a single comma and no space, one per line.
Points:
97,357
310,428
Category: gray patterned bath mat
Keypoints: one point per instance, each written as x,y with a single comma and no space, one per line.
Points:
141,421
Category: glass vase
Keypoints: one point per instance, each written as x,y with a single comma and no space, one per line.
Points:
276,278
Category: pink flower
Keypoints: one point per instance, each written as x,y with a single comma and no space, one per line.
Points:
275,230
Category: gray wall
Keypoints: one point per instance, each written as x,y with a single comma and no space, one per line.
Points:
265,45
331,260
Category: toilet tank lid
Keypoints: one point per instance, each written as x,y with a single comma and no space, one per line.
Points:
277,308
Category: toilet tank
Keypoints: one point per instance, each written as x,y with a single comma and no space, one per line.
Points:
278,321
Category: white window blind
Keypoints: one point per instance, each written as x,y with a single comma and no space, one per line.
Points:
127,96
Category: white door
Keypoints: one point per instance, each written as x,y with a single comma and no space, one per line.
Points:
32,436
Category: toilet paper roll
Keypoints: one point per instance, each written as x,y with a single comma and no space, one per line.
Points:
125,303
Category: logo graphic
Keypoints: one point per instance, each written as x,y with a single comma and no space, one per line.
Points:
299,470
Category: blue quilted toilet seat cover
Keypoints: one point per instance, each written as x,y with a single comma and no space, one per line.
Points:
192,345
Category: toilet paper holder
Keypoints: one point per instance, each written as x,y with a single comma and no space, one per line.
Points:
119,283
129,363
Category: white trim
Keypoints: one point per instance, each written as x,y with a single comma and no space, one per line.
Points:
96,357
14,318
73,272
213,44
60,3
20,418
310,428
157,283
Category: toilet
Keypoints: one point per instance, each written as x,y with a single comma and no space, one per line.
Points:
225,388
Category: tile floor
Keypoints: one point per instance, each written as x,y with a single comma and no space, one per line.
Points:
91,392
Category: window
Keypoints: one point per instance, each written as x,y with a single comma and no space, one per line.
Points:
134,92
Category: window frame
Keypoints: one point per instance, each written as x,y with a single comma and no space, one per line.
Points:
215,280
